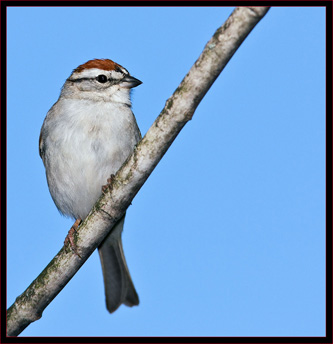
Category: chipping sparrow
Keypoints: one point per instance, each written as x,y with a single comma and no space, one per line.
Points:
86,136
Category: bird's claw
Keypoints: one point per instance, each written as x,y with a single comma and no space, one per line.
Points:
107,187
70,237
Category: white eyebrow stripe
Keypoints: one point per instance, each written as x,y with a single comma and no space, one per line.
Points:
94,72
89,73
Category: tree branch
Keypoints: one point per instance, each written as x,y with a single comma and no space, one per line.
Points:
178,110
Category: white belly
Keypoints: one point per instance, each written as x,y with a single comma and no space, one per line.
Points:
84,149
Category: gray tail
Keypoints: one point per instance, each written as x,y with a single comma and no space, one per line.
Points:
118,284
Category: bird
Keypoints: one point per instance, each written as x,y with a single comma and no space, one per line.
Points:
86,136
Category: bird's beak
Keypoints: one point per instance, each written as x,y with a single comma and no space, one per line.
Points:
129,82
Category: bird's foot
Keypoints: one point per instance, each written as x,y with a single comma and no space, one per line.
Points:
70,237
107,187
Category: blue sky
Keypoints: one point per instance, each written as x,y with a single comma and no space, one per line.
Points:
227,236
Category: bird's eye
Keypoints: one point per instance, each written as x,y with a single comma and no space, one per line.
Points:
102,78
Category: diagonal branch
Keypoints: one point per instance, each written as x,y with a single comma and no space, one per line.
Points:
178,110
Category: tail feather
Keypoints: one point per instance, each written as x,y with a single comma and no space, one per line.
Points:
118,284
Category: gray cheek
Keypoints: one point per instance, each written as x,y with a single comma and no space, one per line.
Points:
85,86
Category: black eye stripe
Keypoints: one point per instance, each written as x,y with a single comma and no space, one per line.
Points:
85,79
80,79
101,78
